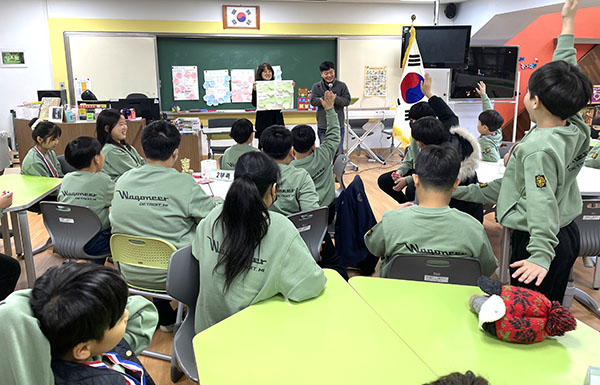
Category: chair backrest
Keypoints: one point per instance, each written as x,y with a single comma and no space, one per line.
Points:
64,165
152,253
136,95
71,227
312,226
434,268
505,148
220,122
183,284
339,168
589,227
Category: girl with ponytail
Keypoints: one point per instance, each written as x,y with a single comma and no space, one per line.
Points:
248,254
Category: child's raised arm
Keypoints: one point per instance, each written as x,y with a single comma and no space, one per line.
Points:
568,17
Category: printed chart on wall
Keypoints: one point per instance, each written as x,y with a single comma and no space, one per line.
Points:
375,81
216,86
241,85
275,95
185,83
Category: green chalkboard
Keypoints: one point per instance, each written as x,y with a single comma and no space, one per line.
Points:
299,60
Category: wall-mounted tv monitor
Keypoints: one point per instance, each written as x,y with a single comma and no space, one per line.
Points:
441,46
495,66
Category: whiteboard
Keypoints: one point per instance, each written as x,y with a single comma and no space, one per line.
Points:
117,65
356,53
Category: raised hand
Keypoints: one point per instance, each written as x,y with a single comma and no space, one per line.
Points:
481,88
328,100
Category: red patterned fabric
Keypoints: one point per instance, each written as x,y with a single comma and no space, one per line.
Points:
526,315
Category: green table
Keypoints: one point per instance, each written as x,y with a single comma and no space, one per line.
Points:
437,324
27,191
335,338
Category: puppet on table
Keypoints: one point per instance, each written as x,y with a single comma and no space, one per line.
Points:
516,314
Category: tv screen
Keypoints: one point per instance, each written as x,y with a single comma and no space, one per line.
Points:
145,108
496,66
441,46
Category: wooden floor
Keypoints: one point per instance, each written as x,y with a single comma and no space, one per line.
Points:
379,201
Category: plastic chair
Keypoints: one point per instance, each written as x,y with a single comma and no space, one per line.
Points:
71,227
434,268
589,234
312,226
218,123
339,168
149,253
64,165
183,283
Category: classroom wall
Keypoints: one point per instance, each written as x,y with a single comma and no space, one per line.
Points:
23,25
537,41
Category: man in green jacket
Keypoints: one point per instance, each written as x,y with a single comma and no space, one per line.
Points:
538,198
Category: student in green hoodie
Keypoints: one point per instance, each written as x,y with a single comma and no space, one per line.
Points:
538,198
248,253
432,227
243,134
296,190
489,125
155,200
119,156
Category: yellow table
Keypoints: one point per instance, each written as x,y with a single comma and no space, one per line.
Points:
435,321
27,191
333,339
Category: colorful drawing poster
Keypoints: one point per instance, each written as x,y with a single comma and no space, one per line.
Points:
277,74
216,86
82,84
185,83
375,81
241,86
275,95
596,95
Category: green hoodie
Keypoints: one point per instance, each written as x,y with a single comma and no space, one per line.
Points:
539,192
232,154
489,144
119,159
295,191
318,164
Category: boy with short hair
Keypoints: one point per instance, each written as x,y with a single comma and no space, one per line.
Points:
89,187
296,190
317,160
155,200
431,227
538,198
242,132
81,311
489,126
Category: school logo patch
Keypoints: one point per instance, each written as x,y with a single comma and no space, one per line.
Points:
487,149
369,232
540,181
594,156
482,185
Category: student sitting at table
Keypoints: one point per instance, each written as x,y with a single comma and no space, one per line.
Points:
41,160
155,200
89,187
317,161
248,253
81,309
119,156
243,134
538,197
432,227
295,190
489,126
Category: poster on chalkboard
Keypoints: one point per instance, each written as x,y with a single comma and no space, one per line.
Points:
216,86
185,83
275,95
241,85
375,81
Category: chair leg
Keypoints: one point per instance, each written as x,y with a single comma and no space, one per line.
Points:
569,293
176,373
157,355
14,218
6,235
586,300
596,281
43,247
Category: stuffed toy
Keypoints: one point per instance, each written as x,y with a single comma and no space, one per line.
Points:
516,314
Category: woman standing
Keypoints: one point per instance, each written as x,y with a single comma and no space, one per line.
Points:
265,118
